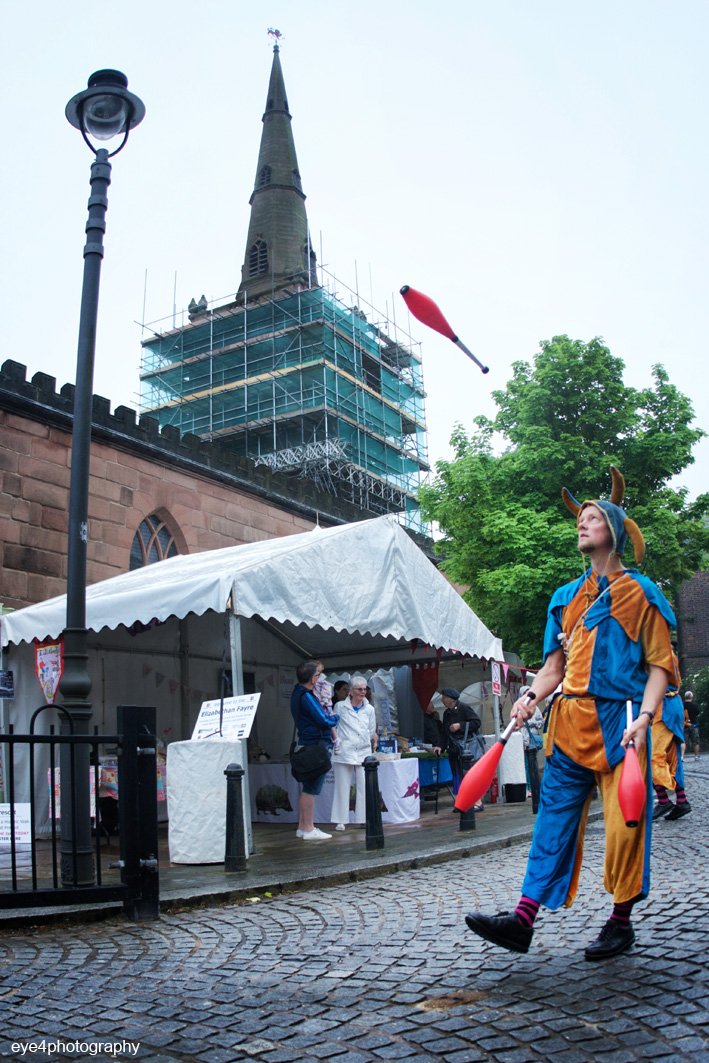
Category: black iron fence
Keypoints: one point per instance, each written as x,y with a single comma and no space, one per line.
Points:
41,868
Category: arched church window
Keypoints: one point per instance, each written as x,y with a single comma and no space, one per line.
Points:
264,178
152,542
258,258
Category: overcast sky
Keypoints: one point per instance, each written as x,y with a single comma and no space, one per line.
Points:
537,168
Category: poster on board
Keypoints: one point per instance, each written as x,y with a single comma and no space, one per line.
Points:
231,719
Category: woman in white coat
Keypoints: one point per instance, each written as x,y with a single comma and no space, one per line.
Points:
356,736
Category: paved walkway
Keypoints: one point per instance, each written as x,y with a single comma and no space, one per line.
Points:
378,970
284,863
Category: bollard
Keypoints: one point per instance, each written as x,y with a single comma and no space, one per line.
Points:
235,846
372,804
467,819
530,755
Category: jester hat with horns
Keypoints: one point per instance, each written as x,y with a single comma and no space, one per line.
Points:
619,524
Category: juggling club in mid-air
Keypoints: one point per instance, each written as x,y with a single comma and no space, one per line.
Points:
429,313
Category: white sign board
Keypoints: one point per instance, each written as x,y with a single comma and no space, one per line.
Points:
23,834
237,718
496,679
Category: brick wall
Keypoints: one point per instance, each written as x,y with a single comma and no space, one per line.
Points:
208,496
693,621
124,489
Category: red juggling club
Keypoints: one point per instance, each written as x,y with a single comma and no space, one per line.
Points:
477,779
632,791
428,312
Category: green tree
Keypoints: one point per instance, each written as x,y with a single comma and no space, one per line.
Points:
565,419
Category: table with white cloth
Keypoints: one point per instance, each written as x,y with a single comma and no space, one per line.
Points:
196,799
274,793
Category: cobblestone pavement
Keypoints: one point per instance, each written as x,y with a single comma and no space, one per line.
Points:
378,970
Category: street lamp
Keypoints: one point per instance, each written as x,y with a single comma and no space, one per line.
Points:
104,110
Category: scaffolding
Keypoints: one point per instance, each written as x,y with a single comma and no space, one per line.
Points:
311,381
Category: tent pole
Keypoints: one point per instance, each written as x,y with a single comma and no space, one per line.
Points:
183,654
237,679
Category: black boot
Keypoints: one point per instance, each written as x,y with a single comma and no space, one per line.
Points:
502,929
611,941
679,810
661,809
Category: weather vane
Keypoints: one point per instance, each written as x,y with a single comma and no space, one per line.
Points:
275,35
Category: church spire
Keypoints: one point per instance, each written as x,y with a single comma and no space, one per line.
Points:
278,251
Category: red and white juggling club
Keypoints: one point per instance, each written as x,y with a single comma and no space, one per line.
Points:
477,779
632,791
429,314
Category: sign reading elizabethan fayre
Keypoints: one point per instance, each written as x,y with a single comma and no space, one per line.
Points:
233,718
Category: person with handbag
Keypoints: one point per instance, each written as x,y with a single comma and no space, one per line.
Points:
310,754
357,734
533,729
460,722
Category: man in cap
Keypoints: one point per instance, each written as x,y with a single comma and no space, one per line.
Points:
607,641
456,716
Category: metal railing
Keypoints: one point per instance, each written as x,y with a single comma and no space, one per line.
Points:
37,870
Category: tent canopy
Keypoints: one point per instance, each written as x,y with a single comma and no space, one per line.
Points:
367,578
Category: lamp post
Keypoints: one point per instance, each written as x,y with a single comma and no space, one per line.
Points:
104,110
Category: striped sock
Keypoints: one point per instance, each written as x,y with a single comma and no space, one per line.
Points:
681,795
661,795
526,910
621,913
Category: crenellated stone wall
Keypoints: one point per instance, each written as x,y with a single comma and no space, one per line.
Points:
208,496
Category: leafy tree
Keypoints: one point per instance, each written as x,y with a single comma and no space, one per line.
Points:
565,419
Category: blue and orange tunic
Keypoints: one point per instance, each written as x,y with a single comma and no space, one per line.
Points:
612,629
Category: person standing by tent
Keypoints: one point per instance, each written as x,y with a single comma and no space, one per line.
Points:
608,640
432,727
313,726
457,718
323,691
357,734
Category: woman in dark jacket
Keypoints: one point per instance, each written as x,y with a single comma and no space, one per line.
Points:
313,725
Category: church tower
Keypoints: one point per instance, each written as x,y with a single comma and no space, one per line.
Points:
295,372
278,249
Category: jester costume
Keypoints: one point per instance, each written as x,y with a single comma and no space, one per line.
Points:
607,644
613,628
667,757
667,739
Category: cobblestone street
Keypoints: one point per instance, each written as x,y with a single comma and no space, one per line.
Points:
380,970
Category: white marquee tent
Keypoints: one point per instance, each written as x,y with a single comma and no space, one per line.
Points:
360,595
366,578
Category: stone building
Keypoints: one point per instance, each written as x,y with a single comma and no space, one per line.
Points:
152,492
